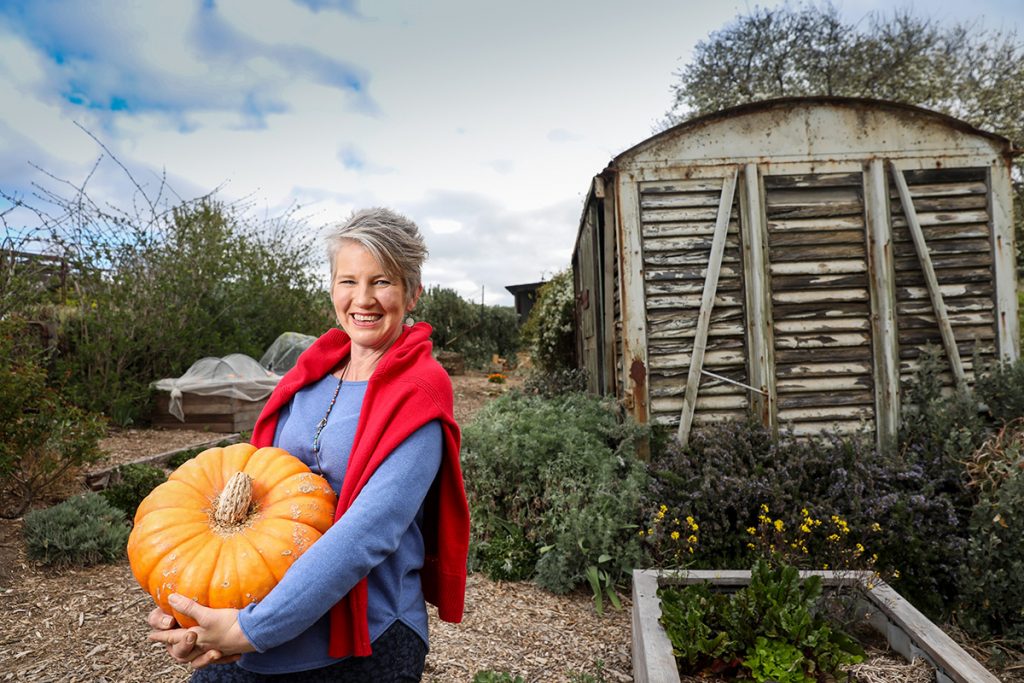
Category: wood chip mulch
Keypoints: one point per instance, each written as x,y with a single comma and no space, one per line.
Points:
89,624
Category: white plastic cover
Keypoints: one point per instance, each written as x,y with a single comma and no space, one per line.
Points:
280,356
237,376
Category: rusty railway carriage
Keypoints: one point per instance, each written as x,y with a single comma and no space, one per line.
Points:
792,258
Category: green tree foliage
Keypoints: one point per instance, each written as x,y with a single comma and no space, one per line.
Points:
961,69
550,330
207,283
475,331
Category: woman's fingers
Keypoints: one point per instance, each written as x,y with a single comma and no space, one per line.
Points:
160,620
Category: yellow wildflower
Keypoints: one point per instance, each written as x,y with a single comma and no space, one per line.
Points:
779,526
692,539
751,530
675,535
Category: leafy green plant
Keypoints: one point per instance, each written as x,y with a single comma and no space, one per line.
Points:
602,584
563,471
505,554
597,676
770,627
549,331
993,595
43,437
132,483
488,676
81,531
1000,387
909,514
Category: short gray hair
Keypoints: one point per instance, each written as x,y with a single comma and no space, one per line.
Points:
392,239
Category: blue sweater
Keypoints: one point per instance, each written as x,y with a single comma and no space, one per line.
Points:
378,537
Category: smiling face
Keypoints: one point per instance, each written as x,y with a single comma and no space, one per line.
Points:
369,303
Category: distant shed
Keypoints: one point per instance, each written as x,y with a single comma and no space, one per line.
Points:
792,258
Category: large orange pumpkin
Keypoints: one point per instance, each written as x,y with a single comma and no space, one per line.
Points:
226,525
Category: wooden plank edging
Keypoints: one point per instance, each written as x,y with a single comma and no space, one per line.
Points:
98,479
906,629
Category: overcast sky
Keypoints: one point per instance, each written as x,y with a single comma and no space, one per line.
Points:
482,120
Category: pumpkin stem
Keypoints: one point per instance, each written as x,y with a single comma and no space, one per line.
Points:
233,501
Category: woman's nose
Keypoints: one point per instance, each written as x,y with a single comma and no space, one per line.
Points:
363,294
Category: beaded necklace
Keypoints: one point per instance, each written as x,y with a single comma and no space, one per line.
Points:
323,422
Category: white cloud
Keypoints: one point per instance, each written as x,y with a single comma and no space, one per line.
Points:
488,116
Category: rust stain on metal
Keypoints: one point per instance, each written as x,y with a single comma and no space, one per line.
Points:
638,373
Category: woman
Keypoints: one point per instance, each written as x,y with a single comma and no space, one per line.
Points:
368,407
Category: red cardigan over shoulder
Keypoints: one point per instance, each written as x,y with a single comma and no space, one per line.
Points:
407,390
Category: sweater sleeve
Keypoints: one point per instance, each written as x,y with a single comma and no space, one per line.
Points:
362,538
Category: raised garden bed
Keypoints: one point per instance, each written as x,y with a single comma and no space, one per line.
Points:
905,629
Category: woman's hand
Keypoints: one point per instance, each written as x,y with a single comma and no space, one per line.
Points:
217,639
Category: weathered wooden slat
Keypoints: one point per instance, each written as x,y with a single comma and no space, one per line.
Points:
917,335
953,305
942,261
734,402
794,385
928,176
855,412
801,429
817,267
702,244
757,302
678,200
719,330
1004,264
797,198
971,246
967,289
805,311
688,286
692,272
819,281
821,296
945,276
707,302
967,349
943,218
930,204
986,318
672,186
684,301
682,360
815,210
823,340
822,252
833,398
676,215
825,326
664,386
944,189
660,258
670,320
851,222
823,354
821,369
944,232
801,180
696,229
785,239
